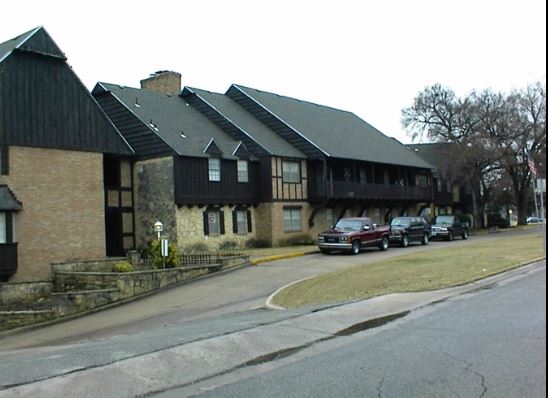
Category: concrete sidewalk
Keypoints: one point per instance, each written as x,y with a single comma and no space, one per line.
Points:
163,372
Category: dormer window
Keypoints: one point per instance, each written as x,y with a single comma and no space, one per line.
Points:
214,169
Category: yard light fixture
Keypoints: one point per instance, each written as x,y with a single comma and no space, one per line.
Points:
158,227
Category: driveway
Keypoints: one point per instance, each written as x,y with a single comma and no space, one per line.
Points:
225,293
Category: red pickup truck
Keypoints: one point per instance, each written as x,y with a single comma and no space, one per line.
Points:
353,234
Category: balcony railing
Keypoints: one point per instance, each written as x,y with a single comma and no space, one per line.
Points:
350,190
8,259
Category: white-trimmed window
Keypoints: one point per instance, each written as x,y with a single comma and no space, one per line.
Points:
291,171
292,219
214,168
241,222
243,172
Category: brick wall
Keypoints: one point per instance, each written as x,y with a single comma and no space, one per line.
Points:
63,208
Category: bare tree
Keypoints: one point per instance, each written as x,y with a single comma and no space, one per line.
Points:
438,115
493,134
515,125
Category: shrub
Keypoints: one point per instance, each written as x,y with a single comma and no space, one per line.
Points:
228,245
198,247
123,266
256,243
172,260
298,240
495,220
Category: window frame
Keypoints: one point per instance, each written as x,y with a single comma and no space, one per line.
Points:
208,230
214,169
291,176
242,175
292,223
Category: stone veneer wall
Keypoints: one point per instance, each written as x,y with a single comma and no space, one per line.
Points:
154,199
63,208
190,229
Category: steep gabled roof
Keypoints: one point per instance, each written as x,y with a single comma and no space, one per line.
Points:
253,131
170,119
44,104
333,132
36,40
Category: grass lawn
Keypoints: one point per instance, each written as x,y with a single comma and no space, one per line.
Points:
428,270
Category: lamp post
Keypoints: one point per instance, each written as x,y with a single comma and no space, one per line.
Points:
159,227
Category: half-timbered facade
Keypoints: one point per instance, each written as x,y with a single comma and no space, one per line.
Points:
306,165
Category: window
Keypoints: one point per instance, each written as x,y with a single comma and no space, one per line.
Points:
243,175
241,221
4,160
214,167
291,171
3,228
214,222
292,219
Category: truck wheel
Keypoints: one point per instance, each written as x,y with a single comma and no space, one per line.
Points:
384,244
325,251
465,234
405,241
425,239
450,236
356,247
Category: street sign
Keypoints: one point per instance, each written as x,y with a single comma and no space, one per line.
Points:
541,185
165,248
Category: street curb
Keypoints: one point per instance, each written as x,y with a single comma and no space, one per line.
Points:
276,257
467,286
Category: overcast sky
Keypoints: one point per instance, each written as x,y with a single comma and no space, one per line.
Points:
367,57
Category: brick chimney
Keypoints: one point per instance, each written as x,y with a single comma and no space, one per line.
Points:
164,81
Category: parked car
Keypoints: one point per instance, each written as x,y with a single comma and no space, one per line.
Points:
404,230
448,227
353,234
534,220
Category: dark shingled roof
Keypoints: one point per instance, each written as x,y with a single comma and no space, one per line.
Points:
433,153
252,127
8,201
339,134
35,40
178,124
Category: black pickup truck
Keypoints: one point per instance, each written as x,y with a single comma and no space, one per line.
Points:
448,227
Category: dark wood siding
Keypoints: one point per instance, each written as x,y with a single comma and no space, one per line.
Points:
44,104
192,185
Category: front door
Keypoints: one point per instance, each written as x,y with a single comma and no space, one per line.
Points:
113,233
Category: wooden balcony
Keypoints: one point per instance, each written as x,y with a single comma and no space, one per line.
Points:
349,190
8,260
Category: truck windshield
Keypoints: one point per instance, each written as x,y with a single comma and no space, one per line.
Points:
400,222
444,220
348,225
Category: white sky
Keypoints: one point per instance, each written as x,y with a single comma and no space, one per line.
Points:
368,57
